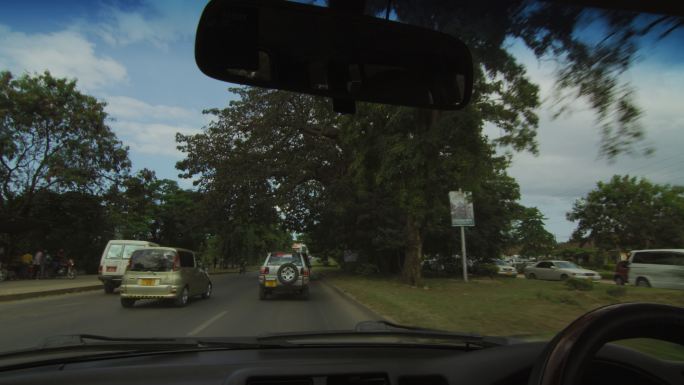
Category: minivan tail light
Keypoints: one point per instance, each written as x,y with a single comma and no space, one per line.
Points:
176,262
263,270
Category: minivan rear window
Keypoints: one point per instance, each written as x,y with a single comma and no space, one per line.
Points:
280,259
152,260
114,251
659,258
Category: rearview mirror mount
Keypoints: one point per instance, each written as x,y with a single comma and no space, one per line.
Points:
316,50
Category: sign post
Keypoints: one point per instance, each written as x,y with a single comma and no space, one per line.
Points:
462,215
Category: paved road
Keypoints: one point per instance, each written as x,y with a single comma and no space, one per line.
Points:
233,310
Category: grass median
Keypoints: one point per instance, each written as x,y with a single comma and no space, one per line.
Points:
509,307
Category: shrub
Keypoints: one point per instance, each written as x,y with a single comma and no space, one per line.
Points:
579,284
616,291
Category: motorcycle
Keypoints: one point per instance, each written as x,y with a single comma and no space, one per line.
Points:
67,269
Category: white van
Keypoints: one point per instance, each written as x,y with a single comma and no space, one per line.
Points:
657,268
115,260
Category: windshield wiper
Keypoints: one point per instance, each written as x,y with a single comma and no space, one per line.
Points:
86,347
383,329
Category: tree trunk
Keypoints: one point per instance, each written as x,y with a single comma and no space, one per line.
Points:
413,252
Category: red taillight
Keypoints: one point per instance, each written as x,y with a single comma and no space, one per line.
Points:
305,272
176,263
263,270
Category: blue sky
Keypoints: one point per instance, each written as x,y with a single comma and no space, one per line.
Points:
138,57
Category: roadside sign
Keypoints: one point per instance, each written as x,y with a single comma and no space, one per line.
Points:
462,212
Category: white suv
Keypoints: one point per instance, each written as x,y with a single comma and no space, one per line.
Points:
284,272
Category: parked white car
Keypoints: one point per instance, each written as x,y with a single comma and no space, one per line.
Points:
505,269
559,270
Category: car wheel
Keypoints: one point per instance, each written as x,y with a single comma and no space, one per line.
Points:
108,288
563,277
127,302
182,298
207,293
643,282
619,281
531,276
262,293
288,274
305,292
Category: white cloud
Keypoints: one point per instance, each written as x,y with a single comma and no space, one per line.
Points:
569,165
157,22
65,54
150,129
124,107
152,138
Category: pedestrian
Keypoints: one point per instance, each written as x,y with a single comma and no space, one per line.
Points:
26,262
37,263
45,264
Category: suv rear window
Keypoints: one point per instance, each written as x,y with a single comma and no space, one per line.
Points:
280,259
152,260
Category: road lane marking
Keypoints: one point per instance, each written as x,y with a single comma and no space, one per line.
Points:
69,304
206,323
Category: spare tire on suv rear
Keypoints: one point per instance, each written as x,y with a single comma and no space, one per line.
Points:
288,274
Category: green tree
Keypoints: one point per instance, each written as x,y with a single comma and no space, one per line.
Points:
530,234
52,138
629,213
587,68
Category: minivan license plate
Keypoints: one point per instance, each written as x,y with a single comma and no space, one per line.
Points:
270,283
147,282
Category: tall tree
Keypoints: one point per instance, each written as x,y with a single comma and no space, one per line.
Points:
52,138
530,234
629,213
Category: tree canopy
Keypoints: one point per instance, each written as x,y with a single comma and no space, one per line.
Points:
52,138
628,213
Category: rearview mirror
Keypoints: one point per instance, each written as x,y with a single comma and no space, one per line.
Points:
316,50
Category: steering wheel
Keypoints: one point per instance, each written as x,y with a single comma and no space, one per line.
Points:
569,354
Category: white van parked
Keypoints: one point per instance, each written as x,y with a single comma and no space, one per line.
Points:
657,268
115,260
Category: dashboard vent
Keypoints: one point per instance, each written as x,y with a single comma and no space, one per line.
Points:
359,379
423,380
280,381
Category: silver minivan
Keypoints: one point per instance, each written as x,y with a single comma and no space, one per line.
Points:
657,268
168,273
115,259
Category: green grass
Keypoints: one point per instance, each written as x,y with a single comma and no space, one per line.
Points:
508,307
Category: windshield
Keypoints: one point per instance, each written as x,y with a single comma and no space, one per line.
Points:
570,149
152,260
566,265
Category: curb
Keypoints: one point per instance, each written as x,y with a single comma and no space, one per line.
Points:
350,297
45,293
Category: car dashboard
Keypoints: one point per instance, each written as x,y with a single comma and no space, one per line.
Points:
351,365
